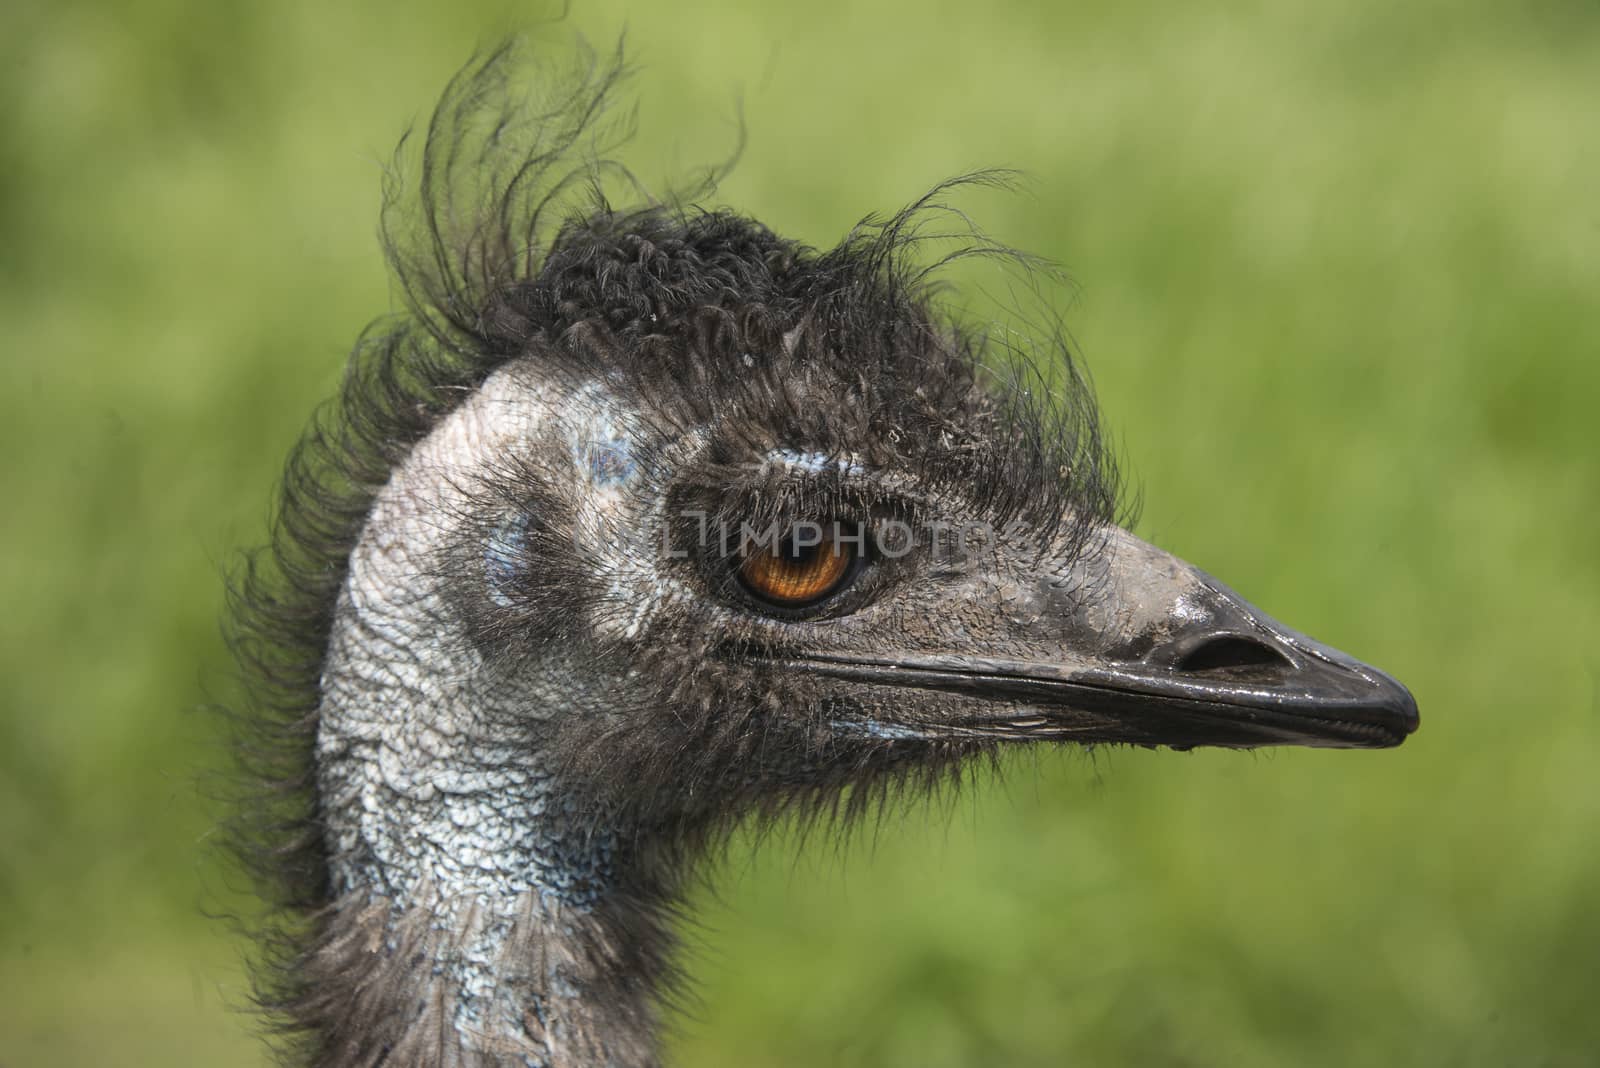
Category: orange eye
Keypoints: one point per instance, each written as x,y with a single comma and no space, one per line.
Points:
797,570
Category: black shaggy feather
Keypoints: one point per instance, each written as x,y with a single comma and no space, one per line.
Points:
508,244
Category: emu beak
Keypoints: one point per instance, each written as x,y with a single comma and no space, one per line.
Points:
1164,655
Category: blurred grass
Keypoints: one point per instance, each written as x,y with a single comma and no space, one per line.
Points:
1339,269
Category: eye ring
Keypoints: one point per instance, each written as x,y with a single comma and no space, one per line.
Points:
807,565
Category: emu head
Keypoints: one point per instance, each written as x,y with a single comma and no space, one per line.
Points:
757,522
739,521
667,519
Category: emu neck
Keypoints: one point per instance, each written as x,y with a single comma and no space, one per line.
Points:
477,917
477,922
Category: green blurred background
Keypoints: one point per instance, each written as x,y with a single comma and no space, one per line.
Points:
1338,271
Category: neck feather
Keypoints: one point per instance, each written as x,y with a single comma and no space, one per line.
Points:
473,983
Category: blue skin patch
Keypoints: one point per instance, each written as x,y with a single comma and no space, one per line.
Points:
872,728
609,461
503,557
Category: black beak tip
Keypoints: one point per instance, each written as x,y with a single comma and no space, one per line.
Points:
1360,707
1399,706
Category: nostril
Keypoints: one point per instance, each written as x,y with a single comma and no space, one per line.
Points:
1232,652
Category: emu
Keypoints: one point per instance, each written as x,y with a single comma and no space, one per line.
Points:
642,521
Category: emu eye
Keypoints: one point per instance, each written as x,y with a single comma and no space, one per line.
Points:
807,564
